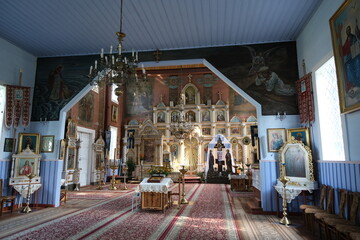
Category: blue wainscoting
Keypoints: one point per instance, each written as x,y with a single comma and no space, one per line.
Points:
340,174
336,174
5,172
344,175
50,172
268,175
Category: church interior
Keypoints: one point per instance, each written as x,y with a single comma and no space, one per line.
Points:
180,119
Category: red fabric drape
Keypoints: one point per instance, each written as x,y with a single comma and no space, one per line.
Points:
305,99
17,106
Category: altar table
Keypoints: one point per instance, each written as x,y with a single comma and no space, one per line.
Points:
239,182
154,195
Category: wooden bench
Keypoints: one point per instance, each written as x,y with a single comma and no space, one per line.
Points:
5,199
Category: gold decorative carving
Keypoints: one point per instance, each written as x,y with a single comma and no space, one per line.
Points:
292,143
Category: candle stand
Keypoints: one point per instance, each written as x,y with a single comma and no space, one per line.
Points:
125,168
284,220
101,177
114,167
77,179
27,208
183,199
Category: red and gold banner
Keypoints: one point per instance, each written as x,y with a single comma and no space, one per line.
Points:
17,106
305,98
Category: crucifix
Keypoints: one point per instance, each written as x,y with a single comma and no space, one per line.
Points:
157,55
220,94
161,97
189,77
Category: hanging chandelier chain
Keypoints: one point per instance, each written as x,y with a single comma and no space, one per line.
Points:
121,14
117,68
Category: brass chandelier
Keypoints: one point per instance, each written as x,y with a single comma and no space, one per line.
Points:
115,68
181,127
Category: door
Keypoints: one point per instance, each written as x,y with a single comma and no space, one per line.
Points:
85,157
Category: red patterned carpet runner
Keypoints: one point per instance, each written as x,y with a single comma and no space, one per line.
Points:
208,215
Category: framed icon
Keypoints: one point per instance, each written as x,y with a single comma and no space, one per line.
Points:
47,143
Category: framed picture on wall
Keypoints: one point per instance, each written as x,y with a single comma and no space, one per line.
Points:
71,128
235,130
300,134
220,131
62,149
47,143
29,139
344,32
9,144
276,138
206,131
114,113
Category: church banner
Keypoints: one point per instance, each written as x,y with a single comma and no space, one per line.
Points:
17,105
305,98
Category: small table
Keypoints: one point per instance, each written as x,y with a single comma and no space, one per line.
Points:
154,195
239,182
291,193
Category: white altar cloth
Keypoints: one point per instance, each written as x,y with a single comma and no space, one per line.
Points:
240,176
291,191
161,187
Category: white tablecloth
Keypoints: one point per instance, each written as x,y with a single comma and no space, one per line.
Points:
162,187
241,176
291,191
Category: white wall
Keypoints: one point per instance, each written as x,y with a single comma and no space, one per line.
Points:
12,60
315,46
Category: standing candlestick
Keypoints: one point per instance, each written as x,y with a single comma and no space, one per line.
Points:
27,208
183,199
125,168
100,181
113,166
284,220
77,179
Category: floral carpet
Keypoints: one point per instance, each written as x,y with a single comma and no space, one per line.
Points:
212,213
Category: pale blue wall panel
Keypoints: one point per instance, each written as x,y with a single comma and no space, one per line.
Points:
340,175
269,175
51,180
5,175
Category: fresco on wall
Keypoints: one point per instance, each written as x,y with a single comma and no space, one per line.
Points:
57,81
139,97
86,108
239,106
267,72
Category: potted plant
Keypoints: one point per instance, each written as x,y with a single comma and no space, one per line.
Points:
158,171
131,167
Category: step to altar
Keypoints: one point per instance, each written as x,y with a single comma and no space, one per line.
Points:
192,179
254,205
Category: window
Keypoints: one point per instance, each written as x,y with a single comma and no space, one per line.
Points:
113,142
114,98
332,144
2,106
